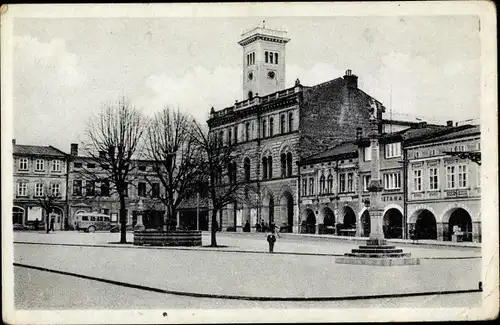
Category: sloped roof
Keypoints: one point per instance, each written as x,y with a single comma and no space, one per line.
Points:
37,150
346,149
456,132
191,202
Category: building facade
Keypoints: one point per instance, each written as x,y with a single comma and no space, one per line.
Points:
39,173
444,189
276,127
414,164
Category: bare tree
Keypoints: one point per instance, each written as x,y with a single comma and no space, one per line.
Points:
114,136
219,173
48,202
171,148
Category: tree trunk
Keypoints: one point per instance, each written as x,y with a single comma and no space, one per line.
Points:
123,221
213,241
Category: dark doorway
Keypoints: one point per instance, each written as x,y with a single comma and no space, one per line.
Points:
393,224
289,208
462,219
366,224
425,227
271,210
310,222
329,221
17,215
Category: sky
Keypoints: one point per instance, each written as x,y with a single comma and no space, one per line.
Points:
65,69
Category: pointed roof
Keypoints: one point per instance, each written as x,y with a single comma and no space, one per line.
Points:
37,150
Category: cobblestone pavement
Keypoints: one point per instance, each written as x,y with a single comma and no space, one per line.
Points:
255,275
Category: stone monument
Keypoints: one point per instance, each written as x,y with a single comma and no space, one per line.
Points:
376,251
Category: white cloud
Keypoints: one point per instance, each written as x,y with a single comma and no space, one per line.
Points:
30,53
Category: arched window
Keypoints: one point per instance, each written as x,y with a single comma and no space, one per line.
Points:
271,127
329,184
264,128
234,170
221,138
236,134
276,58
290,122
322,184
246,167
289,164
250,95
283,165
264,167
266,57
271,57
270,166
229,136
282,123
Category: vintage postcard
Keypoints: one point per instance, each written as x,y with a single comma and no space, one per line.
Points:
257,162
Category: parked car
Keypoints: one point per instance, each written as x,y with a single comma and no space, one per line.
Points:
90,222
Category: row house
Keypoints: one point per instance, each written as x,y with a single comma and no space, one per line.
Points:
40,173
334,184
276,127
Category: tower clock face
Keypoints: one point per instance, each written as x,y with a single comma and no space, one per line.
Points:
271,74
250,75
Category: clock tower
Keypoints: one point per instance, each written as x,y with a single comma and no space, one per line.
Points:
263,61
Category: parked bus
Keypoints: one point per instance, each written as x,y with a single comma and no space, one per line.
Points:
90,222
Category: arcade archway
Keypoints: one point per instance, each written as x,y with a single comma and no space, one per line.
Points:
462,219
393,224
17,215
425,226
310,222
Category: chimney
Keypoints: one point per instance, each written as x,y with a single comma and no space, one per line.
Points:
74,149
351,80
449,123
359,133
13,141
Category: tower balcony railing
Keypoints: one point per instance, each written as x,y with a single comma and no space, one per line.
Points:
264,31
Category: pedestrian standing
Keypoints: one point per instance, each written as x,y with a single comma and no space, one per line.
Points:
37,223
271,237
52,221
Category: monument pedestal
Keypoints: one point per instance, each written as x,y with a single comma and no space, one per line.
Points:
377,252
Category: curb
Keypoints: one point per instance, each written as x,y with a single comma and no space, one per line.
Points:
236,297
222,250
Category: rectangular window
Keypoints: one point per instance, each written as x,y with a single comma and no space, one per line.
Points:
282,123
433,179
155,190
342,183
368,153
266,57
264,129
56,165
38,189
77,165
55,189
417,180
290,122
393,150
304,187
350,182
392,181
77,187
142,168
89,188
40,165
271,127
366,182
141,189
462,176
247,131
311,186
450,177
23,164
90,165
22,189
236,134
105,187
